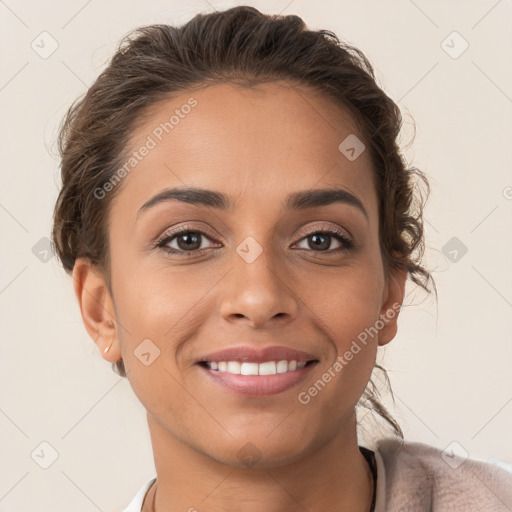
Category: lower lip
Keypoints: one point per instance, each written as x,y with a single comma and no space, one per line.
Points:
259,385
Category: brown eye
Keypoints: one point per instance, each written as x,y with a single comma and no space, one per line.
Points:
321,241
189,241
184,241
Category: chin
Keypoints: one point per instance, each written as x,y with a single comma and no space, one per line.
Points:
259,452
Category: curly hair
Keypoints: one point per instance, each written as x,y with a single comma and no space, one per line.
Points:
239,45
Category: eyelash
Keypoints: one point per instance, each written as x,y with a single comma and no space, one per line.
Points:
168,237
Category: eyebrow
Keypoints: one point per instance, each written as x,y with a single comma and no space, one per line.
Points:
296,201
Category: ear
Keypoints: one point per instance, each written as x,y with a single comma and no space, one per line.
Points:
97,308
393,297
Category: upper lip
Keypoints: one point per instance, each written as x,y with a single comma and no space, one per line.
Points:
258,355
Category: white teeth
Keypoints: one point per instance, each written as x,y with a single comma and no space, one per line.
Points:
268,368
282,366
246,368
249,369
234,367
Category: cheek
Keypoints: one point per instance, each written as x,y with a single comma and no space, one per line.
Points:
348,302
348,321
161,314
160,311
355,341
347,310
159,301
154,319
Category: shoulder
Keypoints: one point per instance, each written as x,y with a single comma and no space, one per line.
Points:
416,476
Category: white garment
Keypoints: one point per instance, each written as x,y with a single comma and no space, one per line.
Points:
414,477
136,504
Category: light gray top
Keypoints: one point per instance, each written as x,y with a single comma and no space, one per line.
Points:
415,477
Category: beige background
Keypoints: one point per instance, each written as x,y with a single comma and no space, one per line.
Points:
449,365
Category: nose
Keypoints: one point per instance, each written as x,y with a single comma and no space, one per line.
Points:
258,292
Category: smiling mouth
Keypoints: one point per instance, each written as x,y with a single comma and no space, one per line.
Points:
257,379
254,368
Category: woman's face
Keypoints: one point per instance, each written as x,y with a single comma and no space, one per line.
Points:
261,271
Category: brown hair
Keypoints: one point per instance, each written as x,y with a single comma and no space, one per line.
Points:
239,45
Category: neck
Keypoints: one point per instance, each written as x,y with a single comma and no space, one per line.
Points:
334,475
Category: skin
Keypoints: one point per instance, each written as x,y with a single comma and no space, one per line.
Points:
255,145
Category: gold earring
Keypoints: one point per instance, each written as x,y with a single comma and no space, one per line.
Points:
108,348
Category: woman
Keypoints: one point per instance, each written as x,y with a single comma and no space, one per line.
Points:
240,225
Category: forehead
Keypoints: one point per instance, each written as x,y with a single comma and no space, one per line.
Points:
256,142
